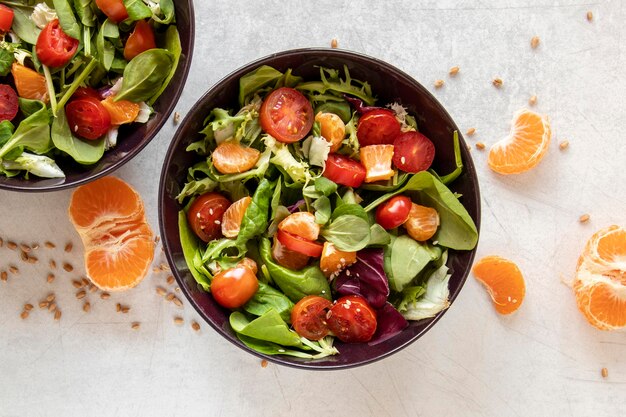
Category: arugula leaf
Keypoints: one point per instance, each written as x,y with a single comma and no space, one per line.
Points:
83,151
144,74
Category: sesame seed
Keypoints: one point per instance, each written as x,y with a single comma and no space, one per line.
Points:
584,218
211,211
217,222
35,246
282,350
176,117
403,160
198,215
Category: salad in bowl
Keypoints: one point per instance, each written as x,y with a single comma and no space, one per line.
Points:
74,73
312,214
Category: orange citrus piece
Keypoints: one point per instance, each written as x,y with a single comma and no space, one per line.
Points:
332,128
29,83
504,282
122,111
422,222
301,224
109,216
377,162
600,284
231,157
525,145
231,220
334,260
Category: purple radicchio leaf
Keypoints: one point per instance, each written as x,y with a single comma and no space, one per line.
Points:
296,206
358,105
389,322
366,277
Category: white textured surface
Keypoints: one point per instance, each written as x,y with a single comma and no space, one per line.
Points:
545,360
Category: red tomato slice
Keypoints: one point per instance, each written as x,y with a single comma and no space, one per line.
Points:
6,18
86,92
393,212
286,114
233,287
9,103
343,170
413,152
205,215
378,127
114,9
352,319
54,47
87,118
300,245
140,40
308,317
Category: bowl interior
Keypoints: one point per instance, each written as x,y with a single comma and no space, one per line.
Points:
390,85
133,138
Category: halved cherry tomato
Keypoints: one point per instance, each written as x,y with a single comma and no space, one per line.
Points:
114,9
87,118
233,287
288,258
6,18
413,152
308,317
54,47
140,40
9,103
300,245
378,127
301,224
352,319
86,92
286,114
343,170
393,212
205,215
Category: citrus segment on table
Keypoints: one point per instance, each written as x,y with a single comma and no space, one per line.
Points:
525,145
109,216
600,284
504,282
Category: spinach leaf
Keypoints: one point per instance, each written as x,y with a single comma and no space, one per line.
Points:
189,244
348,233
294,284
267,298
404,259
137,10
255,219
172,44
269,327
24,27
6,60
322,210
457,229
68,21
34,131
270,348
255,80
106,50
85,12
83,151
144,74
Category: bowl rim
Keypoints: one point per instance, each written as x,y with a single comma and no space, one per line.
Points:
135,151
468,165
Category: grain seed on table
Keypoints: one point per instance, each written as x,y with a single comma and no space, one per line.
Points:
497,82
32,259
14,269
179,320
28,307
77,284
43,304
135,325
53,264
195,326
81,294
534,42
454,71
584,218
50,278
50,298
57,315
24,248
532,100
24,315
52,307
105,295
68,247
471,131
68,267
334,43
439,83
263,363
161,291
480,146
589,16
86,307
604,372
4,276
170,280
564,145
1,242
11,245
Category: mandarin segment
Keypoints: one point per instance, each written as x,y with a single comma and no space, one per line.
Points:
301,224
422,222
334,260
29,83
231,157
504,282
233,216
377,162
524,147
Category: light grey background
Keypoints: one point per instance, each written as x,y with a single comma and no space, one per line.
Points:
544,360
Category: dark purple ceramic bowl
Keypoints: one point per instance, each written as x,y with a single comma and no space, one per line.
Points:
389,84
132,138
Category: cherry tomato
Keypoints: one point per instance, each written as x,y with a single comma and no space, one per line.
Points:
233,287
140,40
86,92
300,245
205,215
87,118
6,18
413,152
343,170
288,258
308,317
54,47
286,114
9,103
114,9
378,127
352,319
393,212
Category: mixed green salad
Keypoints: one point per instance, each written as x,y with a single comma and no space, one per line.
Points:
312,214
73,71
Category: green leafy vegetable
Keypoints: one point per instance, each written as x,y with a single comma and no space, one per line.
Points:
458,160
255,80
348,233
85,12
34,131
68,21
255,219
331,81
24,27
322,210
172,44
267,298
189,243
435,299
39,165
404,259
324,348
6,60
144,74
137,10
83,151
269,327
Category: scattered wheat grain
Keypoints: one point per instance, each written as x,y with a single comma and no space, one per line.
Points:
439,83
584,218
